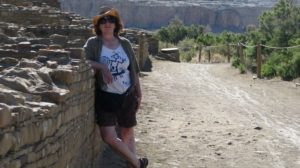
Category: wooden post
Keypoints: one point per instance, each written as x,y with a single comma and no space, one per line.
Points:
199,54
241,54
228,52
238,50
209,56
258,60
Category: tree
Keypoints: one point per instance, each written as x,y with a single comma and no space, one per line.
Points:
177,30
227,38
279,25
206,40
194,31
174,32
164,35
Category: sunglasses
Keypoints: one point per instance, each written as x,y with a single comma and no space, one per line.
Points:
107,19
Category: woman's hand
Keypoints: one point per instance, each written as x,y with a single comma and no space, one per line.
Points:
107,77
138,91
139,100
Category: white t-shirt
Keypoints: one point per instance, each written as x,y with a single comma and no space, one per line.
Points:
117,62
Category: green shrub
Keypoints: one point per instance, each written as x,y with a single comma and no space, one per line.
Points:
285,64
187,56
286,71
242,68
268,70
290,69
187,49
235,61
250,52
296,62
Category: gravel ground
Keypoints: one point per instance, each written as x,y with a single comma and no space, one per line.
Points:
209,115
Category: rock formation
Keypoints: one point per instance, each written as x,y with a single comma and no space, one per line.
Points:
218,15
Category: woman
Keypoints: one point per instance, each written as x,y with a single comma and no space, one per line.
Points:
118,92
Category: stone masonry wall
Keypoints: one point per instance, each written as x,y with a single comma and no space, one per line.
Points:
47,114
47,87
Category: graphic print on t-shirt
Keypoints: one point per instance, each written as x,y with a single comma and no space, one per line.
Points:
114,65
117,63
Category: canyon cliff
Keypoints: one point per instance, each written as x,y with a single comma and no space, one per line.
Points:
217,16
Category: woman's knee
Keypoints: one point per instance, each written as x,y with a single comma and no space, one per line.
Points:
127,134
108,136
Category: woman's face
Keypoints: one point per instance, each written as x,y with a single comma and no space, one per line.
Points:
107,24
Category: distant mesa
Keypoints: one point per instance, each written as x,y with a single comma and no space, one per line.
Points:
218,15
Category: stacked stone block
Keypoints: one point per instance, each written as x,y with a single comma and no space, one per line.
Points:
47,114
144,45
47,87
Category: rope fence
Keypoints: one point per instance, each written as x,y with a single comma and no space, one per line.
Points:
240,53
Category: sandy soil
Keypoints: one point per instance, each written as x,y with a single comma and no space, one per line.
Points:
209,115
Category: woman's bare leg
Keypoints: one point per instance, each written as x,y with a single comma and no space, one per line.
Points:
127,136
110,137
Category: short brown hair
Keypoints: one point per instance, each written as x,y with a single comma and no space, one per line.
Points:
107,11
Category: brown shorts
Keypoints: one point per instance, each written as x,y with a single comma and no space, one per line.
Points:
115,109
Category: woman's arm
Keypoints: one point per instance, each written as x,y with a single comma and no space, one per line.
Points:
107,76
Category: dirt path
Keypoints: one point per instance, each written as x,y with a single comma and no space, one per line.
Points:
208,115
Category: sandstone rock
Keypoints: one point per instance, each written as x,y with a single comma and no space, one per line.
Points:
52,64
45,41
76,53
57,96
9,53
18,2
55,47
47,109
44,75
15,164
153,45
5,39
60,56
30,63
20,39
25,80
42,58
33,156
30,134
6,143
48,128
29,97
28,35
8,62
37,47
59,39
30,55
21,113
15,83
77,43
171,54
8,98
9,46
9,29
63,76
11,97
5,115
24,46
